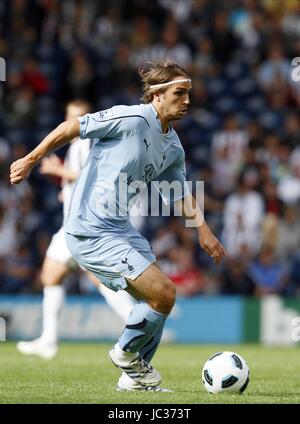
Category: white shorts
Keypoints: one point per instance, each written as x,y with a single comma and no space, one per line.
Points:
113,256
58,249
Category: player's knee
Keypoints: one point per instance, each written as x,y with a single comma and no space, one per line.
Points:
49,280
170,296
44,278
166,298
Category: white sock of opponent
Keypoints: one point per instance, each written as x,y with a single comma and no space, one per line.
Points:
121,302
52,306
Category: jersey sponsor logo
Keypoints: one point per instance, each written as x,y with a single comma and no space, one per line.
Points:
129,180
148,173
133,186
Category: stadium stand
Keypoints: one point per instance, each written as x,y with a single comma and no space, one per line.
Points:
241,135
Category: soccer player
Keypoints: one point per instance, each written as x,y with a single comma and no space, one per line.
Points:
137,144
58,261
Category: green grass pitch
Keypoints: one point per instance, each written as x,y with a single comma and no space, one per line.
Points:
82,373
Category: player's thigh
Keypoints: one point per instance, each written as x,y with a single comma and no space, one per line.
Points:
96,281
53,272
154,287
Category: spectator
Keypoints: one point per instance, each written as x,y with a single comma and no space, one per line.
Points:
289,187
205,64
228,149
292,130
268,274
273,205
172,46
8,233
274,77
224,39
18,270
235,278
243,215
34,78
81,79
292,287
288,240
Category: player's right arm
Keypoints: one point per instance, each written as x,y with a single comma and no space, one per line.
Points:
63,134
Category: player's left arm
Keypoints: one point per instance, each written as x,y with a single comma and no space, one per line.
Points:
52,165
190,210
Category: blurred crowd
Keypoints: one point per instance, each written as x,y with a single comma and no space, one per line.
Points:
241,135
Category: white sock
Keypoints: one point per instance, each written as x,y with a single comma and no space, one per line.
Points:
52,305
121,355
121,302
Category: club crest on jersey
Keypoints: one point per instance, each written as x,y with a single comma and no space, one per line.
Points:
125,261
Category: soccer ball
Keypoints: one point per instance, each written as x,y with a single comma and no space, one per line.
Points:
225,372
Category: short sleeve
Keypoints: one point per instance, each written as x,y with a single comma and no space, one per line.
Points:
171,183
114,123
101,124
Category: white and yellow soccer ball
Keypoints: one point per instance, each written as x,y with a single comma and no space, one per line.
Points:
225,372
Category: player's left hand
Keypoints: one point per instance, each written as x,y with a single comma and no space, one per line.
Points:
211,244
20,170
51,165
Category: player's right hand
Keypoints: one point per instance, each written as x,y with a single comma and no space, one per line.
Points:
19,170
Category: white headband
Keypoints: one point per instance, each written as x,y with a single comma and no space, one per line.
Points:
164,84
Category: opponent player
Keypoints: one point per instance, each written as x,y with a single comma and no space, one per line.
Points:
136,144
58,261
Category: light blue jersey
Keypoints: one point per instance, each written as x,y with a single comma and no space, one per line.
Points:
132,150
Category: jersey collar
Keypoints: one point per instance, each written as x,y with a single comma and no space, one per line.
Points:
153,110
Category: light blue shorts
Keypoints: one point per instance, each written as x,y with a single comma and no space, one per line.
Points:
112,256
